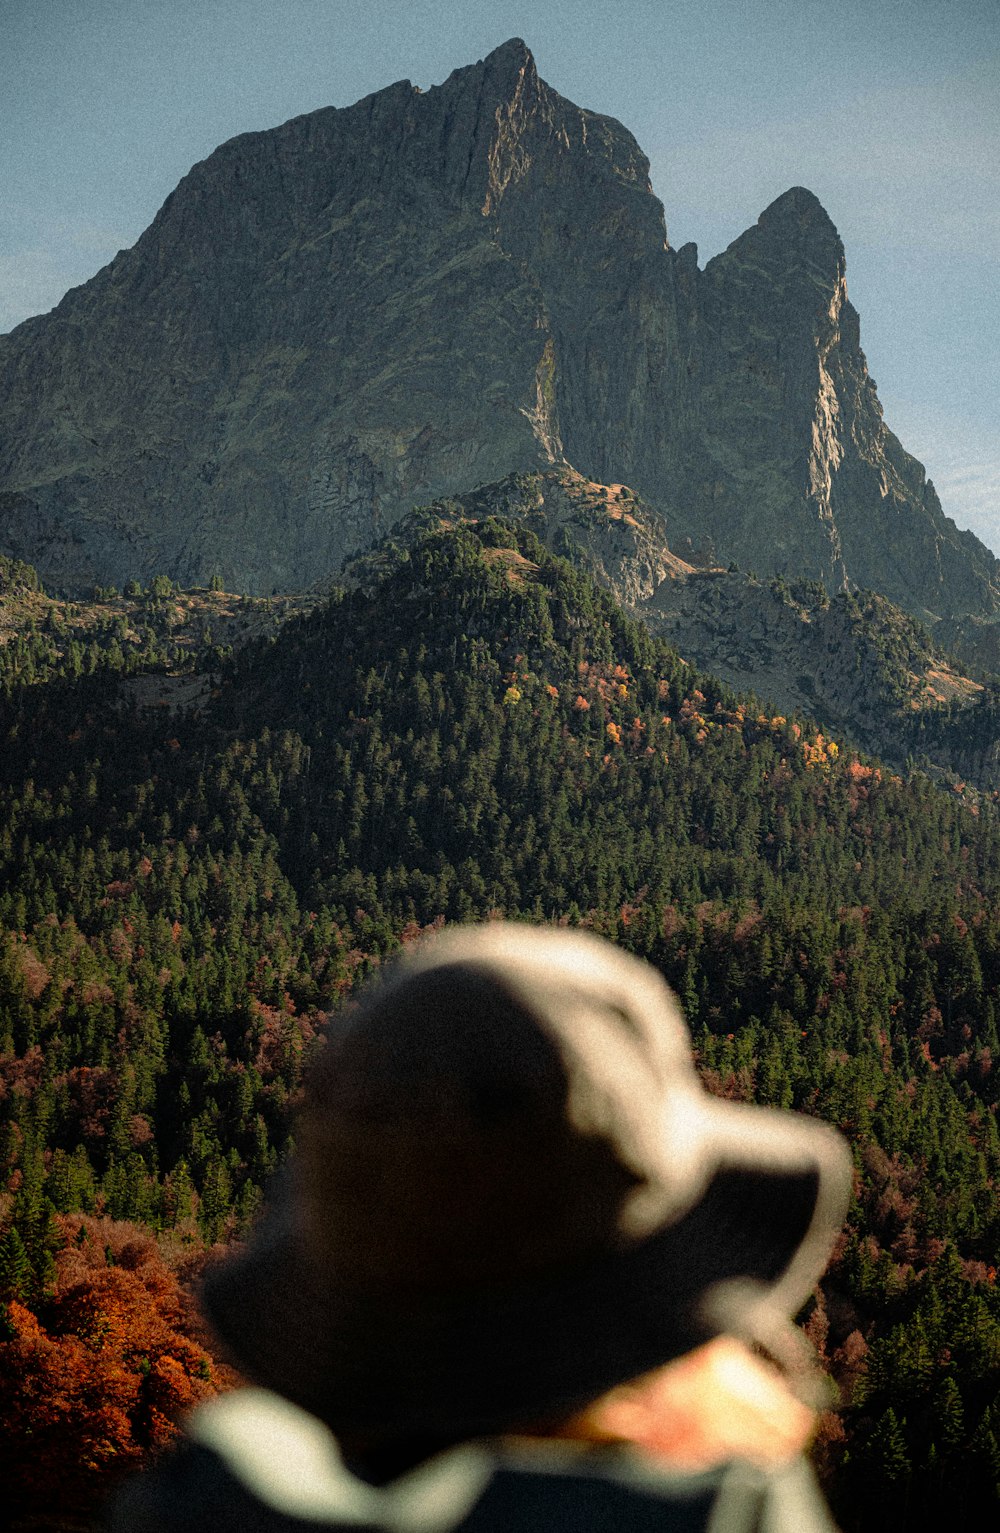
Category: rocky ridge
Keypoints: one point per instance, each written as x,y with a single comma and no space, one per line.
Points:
379,305
854,662
867,673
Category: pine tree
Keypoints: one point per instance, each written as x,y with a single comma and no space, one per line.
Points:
947,1416
885,1452
17,1276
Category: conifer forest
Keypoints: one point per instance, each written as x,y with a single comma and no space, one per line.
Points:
217,816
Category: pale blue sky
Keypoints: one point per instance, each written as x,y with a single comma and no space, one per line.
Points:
888,110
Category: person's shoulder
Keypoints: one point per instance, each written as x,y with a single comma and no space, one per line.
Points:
253,1463
249,1462
604,1490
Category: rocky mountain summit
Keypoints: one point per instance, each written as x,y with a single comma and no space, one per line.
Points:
607,528
426,292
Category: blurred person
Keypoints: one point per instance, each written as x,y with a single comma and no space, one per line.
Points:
521,1272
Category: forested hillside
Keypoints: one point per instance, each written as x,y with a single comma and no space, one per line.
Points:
188,897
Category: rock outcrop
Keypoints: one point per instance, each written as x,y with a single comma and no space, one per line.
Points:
376,306
854,662
609,529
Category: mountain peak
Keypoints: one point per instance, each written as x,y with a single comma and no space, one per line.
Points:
798,224
504,66
514,51
794,232
801,209
511,66
378,305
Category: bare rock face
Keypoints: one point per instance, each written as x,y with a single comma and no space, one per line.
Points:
373,307
854,661
318,329
786,461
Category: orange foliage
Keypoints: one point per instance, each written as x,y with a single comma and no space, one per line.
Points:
93,1382
819,752
608,685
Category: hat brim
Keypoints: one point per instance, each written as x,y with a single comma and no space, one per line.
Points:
742,1259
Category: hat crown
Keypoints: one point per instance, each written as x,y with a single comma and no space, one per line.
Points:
497,1108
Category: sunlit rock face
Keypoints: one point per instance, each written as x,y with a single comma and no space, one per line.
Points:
787,463
374,307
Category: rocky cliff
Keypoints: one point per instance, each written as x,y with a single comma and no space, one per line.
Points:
785,460
397,301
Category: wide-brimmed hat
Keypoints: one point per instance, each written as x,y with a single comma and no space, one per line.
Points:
510,1192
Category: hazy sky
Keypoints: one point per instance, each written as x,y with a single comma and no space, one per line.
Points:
889,110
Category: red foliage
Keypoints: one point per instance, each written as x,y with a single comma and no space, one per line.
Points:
21,1077
93,1382
92,1091
33,972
